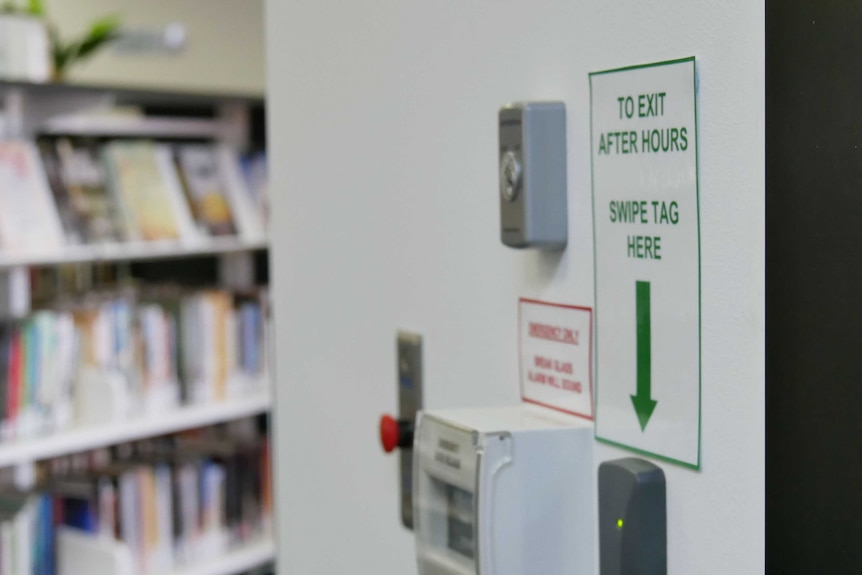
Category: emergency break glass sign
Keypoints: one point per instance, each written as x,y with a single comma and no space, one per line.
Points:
556,356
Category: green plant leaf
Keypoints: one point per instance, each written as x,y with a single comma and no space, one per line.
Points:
100,33
63,56
59,51
36,7
103,26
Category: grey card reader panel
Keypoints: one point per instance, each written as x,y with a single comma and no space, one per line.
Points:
533,205
632,518
409,403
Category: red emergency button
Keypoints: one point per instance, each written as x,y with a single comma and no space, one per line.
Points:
395,433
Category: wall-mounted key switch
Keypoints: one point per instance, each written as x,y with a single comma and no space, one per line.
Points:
632,518
533,212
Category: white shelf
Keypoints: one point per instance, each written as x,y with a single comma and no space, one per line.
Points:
131,126
75,440
129,94
134,251
84,553
248,557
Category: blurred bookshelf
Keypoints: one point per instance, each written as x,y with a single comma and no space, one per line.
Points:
148,127
86,437
133,251
115,191
240,560
105,557
129,94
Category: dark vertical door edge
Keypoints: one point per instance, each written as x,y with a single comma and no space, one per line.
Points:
813,287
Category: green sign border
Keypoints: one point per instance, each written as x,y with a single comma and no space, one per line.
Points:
686,464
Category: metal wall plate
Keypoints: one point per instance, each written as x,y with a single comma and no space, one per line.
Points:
409,403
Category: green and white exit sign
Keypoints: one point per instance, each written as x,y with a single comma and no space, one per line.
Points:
646,223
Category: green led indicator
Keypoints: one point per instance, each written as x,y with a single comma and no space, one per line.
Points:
619,523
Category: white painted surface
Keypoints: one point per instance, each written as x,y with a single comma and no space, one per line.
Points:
384,170
224,48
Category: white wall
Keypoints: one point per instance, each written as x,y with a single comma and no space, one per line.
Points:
384,169
224,50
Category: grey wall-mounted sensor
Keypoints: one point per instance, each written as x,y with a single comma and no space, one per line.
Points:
632,518
533,206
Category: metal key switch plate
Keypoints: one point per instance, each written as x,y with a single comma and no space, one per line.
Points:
409,403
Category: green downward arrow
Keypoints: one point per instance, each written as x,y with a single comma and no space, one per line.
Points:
642,402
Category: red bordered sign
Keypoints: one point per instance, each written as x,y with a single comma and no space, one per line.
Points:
555,343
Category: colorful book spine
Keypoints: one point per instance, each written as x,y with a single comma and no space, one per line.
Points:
174,348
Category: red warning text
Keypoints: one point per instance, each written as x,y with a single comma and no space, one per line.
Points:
554,333
559,376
